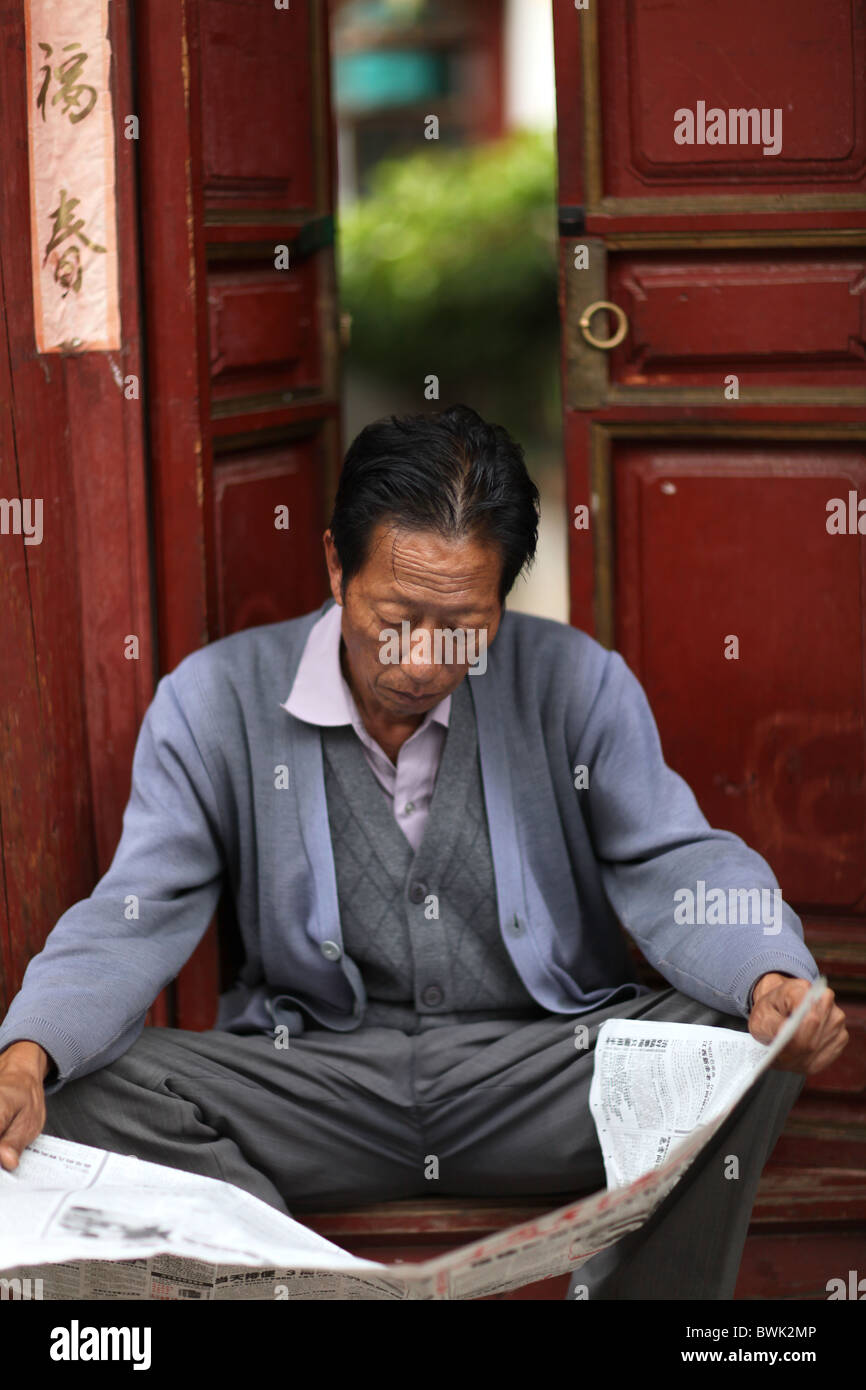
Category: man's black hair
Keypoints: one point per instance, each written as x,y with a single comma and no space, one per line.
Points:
449,472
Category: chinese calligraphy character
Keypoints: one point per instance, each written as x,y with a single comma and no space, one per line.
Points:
71,90
67,271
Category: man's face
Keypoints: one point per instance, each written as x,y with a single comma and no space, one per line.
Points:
431,583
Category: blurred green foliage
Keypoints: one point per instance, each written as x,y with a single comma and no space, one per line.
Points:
450,267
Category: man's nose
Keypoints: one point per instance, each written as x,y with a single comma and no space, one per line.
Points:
421,666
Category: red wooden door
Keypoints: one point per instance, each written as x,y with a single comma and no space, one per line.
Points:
72,438
237,185
705,448
233,424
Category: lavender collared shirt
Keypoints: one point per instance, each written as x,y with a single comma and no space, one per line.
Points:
321,696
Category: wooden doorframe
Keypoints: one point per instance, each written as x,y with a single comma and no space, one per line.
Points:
173,265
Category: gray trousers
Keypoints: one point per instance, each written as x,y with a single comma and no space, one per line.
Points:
342,1119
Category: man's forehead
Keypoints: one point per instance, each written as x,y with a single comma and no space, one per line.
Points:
429,561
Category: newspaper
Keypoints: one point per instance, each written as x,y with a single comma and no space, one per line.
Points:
653,1084
90,1224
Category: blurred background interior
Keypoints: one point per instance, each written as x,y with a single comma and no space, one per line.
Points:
447,248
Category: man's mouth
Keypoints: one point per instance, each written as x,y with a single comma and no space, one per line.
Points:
412,699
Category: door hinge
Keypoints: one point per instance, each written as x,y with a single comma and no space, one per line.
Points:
313,236
572,221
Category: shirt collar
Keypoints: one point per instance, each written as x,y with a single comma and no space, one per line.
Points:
320,694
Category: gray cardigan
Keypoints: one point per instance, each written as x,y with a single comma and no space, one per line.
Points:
209,804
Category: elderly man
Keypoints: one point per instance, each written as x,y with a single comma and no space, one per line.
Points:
432,847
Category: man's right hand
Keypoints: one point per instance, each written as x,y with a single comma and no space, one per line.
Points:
23,1067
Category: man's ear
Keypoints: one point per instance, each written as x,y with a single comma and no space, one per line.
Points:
335,573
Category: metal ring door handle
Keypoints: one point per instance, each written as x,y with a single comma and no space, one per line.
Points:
622,325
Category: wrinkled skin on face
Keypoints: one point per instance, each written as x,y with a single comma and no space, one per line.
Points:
430,582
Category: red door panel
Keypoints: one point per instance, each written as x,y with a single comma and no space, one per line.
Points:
258,67
657,57
729,541
264,333
772,320
253,545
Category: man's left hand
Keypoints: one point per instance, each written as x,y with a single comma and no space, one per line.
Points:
821,1036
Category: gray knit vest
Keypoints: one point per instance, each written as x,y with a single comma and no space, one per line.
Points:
422,927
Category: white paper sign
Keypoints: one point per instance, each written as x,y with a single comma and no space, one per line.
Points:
73,232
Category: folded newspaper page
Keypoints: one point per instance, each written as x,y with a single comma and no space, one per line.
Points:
81,1223
653,1084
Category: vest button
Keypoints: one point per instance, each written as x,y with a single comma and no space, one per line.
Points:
330,950
432,996
418,892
